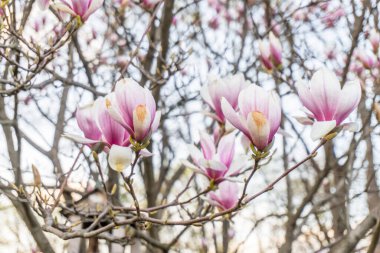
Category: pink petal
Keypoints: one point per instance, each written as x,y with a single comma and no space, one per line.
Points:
234,118
226,149
351,94
307,100
156,121
208,146
113,132
274,114
86,122
325,88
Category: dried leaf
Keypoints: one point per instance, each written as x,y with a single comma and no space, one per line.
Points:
36,176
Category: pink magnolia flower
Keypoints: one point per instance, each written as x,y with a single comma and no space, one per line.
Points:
329,104
367,58
228,88
333,16
259,115
275,49
135,109
265,54
81,8
98,126
214,162
226,196
87,123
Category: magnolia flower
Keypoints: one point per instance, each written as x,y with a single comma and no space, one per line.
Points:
368,59
135,109
214,163
374,39
98,126
265,54
226,196
87,123
275,49
120,157
228,88
259,116
81,8
43,4
112,132
329,104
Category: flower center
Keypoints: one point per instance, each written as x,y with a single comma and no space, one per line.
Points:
259,119
141,112
108,103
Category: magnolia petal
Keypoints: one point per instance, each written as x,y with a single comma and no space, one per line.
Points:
350,126
141,122
94,6
321,128
226,149
113,132
308,100
191,166
325,88
207,146
145,153
274,114
79,139
259,128
304,120
351,94
195,153
120,157
64,8
206,96
284,133
212,164
234,118
156,121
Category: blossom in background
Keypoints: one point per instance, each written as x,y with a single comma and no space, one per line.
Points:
329,104
214,163
367,58
259,115
135,109
81,8
333,16
275,50
228,88
374,39
271,52
120,157
43,4
226,196
265,55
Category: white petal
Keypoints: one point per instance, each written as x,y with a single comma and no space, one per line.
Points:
79,139
321,128
120,157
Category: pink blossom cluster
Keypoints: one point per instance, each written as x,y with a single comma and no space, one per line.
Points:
122,123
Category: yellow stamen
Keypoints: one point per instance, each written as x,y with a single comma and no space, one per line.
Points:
259,119
108,103
141,112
